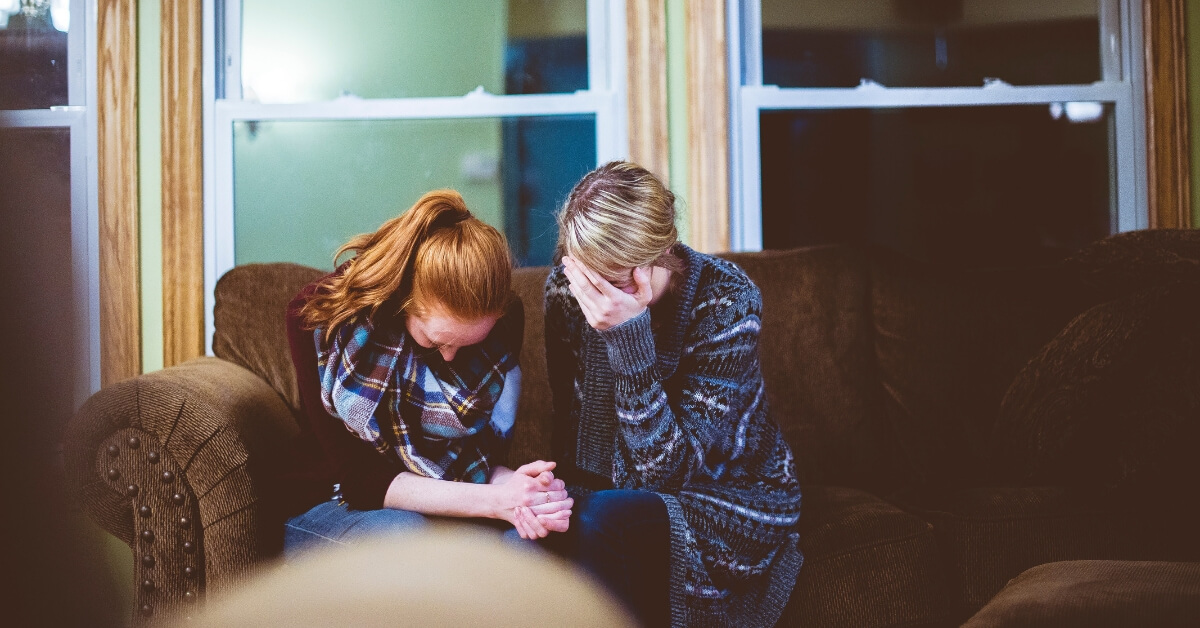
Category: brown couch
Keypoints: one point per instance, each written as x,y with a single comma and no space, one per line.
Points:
952,429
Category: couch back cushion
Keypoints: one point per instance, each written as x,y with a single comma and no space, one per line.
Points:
531,436
818,361
250,321
948,345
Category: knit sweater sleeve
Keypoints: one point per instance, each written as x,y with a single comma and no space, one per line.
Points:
711,393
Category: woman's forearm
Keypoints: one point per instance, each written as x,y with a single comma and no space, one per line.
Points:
409,491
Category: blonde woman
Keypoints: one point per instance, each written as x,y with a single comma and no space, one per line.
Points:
407,364
686,496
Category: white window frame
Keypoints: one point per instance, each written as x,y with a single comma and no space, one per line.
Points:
605,99
79,119
1120,87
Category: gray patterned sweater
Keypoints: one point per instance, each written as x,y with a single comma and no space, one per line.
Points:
678,408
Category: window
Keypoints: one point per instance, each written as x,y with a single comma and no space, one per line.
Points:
975,133
49,240
329,118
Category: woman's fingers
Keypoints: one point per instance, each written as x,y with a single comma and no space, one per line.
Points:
585,305
534,468
531,521
577,274
602,285
555,524
518,523
553,507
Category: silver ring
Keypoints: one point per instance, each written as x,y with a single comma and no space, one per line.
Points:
547,494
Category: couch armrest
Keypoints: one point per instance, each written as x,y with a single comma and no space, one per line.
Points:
177,464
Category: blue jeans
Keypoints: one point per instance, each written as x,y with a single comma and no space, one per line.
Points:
622,537
330,523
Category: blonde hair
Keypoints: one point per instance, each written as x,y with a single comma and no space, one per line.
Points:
619,216
436,253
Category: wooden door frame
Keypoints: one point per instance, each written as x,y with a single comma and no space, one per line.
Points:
117,167
1168,145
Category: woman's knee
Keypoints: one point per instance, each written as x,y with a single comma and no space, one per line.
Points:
383,521
615,512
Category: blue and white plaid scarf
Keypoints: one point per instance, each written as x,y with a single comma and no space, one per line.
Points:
433,417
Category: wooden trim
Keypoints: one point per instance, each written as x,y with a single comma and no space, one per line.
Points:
117,165
708,125
646,25
1168,157
182,181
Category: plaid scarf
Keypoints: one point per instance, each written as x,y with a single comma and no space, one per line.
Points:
433,417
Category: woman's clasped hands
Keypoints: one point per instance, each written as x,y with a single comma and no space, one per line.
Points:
534,501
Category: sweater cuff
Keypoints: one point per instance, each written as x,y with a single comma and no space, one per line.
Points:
630,345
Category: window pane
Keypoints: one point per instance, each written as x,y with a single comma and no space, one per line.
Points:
929,43
35,251
302,189
304,50
33,55
969,186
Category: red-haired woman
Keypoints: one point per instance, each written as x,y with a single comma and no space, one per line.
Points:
407,364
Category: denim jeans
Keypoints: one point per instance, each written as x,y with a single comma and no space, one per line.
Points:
330,523
622,538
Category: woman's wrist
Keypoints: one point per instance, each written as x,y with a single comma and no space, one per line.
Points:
500,474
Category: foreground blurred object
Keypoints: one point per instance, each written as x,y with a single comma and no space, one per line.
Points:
447,575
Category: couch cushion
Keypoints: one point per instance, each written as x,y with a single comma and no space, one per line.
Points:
1097,593
866,563
250,321
989,535
1114,398
817,361
531,435
948,346
1136,260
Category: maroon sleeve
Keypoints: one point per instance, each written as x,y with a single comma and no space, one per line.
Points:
364,474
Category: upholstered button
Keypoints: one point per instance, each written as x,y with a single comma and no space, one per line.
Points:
147,586
113,450
190,596
167,476
131,490
184,522
177,499
153,456
148,561
189,572
147,610
144,511
134,442
113,474
148,536
189,547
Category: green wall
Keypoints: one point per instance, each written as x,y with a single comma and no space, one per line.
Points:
150,183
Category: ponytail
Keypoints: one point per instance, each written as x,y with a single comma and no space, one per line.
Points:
434,253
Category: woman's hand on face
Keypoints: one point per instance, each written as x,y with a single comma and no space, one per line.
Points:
603,304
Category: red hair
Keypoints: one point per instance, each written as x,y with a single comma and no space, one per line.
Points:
434,254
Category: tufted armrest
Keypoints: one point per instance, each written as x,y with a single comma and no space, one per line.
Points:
178,464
